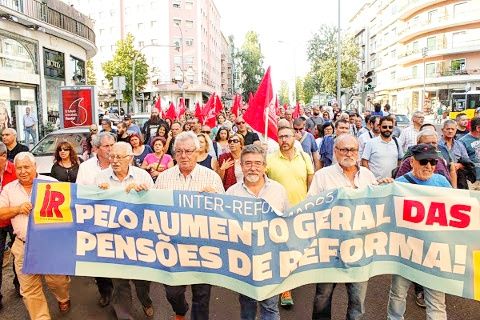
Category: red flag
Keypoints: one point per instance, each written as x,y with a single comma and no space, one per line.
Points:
262,108
296,111
209,115
180,110
285,106
158,105
236,105
217,105
198,112
171,114
277,107
250,98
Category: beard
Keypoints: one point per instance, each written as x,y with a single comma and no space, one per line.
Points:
386,134
316,114
253,178
155,118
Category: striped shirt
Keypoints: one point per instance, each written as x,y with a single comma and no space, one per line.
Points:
200,178
408,138
135,175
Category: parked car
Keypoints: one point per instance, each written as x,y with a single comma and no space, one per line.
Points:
140,119
44,150
402,120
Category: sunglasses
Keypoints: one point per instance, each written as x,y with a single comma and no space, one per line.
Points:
64,149
387,127
207,132
233,141
93,130
240,122
424,162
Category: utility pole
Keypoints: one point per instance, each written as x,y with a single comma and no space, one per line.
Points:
339,66
424,55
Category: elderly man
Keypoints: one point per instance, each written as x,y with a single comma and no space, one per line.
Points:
7,175
9,137
255,184
408,137
15,204
122,174
87,173
423,161
189,176
471,141
344,173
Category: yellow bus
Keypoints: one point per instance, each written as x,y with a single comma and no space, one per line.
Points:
465,102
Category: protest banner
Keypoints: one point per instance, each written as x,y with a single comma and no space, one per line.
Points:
426,234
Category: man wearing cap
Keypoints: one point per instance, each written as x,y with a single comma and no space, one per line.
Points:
131,127
424,159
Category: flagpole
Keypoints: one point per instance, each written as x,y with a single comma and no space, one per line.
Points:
265,113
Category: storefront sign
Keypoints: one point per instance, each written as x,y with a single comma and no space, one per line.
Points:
77,106
54,64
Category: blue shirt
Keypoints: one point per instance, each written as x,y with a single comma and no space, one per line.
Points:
326,150
308,144
472,145
437,180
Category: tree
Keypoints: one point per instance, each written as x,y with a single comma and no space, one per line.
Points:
283,93
309,88
299,96
121,65
251,60
91,77
322,54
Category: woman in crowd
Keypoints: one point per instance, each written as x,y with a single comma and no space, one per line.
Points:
157,161
66,163
140,150
204,158
229,163
326,116
162,131
186,127
325,129
221,145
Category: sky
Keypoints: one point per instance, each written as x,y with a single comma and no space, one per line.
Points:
284,28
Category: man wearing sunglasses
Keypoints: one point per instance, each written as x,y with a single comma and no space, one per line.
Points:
248,136
424,159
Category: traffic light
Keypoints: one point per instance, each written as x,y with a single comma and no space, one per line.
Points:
367,81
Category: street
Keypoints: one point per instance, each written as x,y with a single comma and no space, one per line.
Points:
224,303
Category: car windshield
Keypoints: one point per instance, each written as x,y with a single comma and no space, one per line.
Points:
401,118
140,121
48,144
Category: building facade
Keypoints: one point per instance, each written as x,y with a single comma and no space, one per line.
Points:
181,40
43,45
419,51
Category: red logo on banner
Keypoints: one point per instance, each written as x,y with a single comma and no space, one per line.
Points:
77,107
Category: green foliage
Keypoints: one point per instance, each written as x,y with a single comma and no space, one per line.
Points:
121,65
283,93
91,77
308,88
322,54
299,90
251,60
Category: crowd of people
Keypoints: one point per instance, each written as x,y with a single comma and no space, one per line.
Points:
322,149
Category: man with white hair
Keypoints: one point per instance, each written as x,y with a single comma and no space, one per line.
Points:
122,174
189,176
15,204
408,137
344,173
9,137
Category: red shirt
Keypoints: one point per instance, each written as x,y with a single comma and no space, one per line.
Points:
9,175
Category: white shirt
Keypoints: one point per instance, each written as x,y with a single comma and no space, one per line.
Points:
364,137
332,177
408,138
13,195
135,175
200,178
382,156
272,192
87,172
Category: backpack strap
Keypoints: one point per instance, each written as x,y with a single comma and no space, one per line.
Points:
398,147
409,178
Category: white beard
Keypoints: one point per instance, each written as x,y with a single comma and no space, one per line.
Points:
252,178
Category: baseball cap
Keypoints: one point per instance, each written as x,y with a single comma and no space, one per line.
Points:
127,117
424,151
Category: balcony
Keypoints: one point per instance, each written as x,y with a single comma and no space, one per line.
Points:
36,14
441,50
437,25
411,7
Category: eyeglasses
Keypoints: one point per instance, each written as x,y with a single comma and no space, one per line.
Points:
240,122
387,127
233,141
186,152
347,150
114,157
93,130
64,149
433,162
206,132
285,137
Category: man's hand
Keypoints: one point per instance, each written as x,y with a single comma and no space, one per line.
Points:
25,208
385,180
104,186
208,189
136,187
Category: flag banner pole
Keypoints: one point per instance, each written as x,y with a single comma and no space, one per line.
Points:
265,113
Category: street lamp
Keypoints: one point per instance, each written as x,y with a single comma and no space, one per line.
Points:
134,101
183,71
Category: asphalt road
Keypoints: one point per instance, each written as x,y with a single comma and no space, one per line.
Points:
224,303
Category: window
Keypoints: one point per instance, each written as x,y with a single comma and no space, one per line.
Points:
460,9
188,24
392,75
432,15
177,21
415,46
431,43
457,65
176,3
414,72
153,24
430,69
188,5
141,44
393,54
189,42
188,60
177,60
177,42
458,38
140,26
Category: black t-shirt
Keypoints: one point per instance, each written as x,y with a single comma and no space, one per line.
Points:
150,128
64,174
460,133
18,148
250,138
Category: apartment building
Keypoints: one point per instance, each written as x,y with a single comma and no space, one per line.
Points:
420,51
181,40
